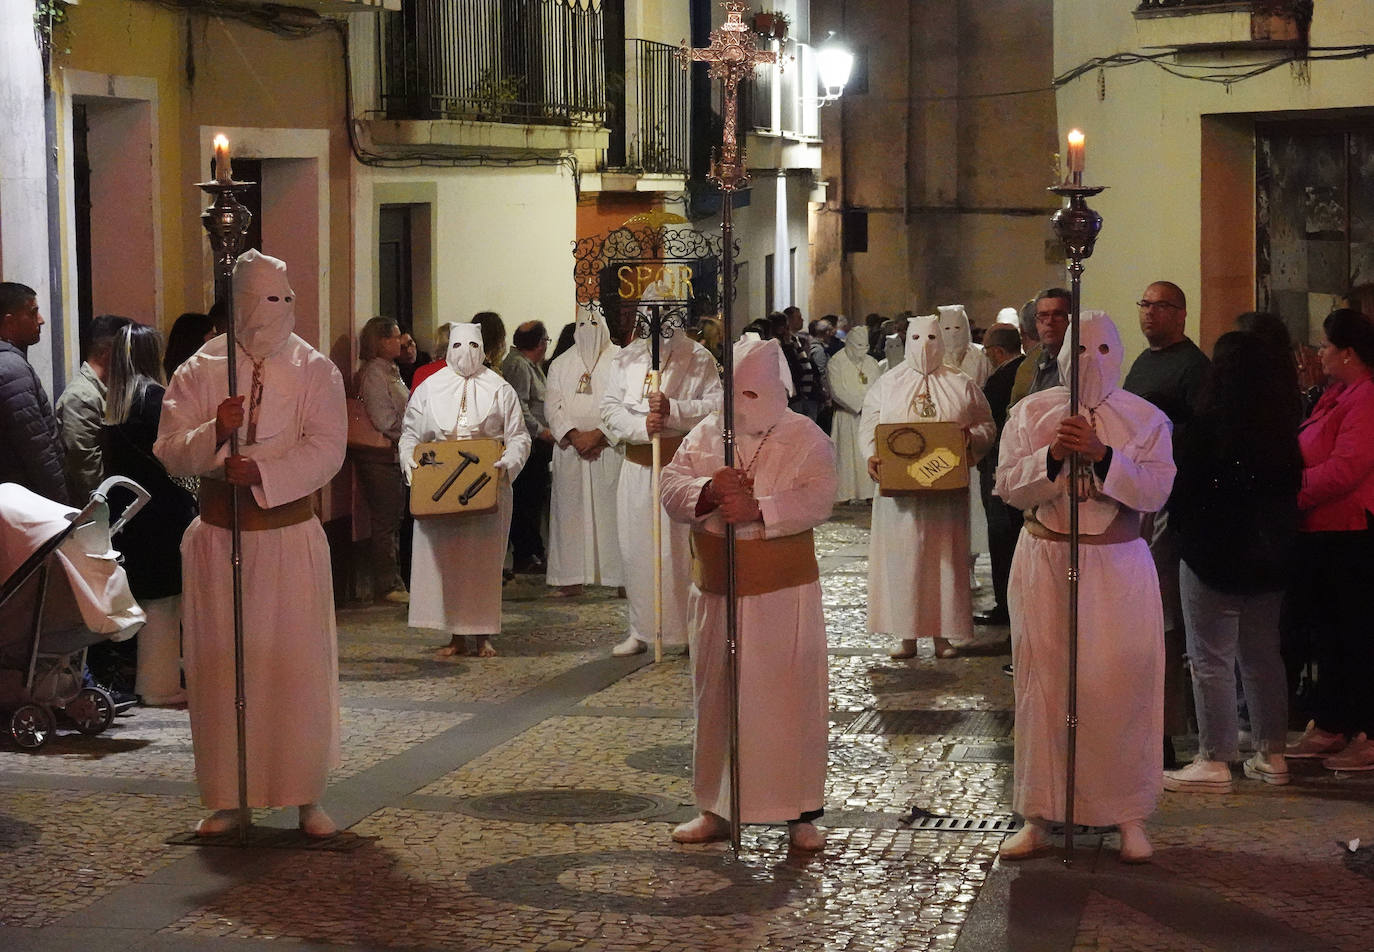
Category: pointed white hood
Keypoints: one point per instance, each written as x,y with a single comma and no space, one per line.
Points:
757,383
1100,358
856,342
924,348
590,336
264,308
955,332
464,354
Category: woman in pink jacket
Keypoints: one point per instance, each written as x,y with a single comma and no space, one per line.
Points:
1337,546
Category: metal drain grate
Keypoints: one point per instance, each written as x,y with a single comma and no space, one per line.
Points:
981,754
565,806
965,824
933,722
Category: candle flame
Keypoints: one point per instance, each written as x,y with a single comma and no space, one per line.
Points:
1076,137
221,141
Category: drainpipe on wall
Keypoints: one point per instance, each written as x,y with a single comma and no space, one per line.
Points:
55,319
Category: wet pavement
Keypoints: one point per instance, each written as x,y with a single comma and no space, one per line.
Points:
524,802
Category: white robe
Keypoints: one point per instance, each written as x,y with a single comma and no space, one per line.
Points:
851,378
918,578
1121,627
290,646
692,383
977,366
583,546
784,698
455,571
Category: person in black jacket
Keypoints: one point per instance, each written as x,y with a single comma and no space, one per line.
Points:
151,543
32,454
1235,505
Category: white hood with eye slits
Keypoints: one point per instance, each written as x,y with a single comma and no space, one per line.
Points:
464,354
264,304
1100,358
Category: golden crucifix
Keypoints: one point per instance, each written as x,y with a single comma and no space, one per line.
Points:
732,57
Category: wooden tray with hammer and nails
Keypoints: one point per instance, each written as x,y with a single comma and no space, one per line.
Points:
454,477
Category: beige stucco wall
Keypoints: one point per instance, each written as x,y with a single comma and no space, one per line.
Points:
1147,139
953,178
501,241
210,73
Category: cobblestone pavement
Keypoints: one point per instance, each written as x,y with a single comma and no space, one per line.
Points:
523,802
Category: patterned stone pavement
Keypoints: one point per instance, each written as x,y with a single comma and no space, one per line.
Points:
524,803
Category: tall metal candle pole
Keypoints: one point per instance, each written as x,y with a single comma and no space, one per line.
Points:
226,221
1077,227
732,57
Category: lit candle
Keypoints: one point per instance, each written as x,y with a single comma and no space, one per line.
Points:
224,173
1076,139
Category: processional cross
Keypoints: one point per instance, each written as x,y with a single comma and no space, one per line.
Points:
732,57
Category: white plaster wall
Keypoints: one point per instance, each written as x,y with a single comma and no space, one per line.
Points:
756,232
1144,141
23,169
503,241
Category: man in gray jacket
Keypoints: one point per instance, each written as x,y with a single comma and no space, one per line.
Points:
81,410
28,430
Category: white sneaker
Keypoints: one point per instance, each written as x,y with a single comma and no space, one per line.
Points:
630,646
1271,768
1201,776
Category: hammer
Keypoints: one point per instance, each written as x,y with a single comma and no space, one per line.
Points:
468,459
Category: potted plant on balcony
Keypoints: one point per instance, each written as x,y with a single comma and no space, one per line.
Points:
771,24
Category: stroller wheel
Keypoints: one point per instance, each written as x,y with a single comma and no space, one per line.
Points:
32,725
92,710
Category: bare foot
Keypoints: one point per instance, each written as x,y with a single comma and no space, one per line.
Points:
457,647
943,649
907,650
485,649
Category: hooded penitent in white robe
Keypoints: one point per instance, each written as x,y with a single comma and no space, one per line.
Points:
918,580
692,384
455,570
1120,622
852,372
784,700
291,674
962,354
583,546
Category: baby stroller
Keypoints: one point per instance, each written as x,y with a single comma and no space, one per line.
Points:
49,618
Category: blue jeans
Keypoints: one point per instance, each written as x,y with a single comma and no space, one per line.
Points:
1225,630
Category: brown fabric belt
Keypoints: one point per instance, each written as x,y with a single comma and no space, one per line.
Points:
1124,528
761,565
643,453
216,497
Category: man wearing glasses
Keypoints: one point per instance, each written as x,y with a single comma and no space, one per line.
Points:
1170,375
1040,370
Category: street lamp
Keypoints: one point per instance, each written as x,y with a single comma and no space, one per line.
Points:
834,62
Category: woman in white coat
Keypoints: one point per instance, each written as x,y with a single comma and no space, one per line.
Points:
455,575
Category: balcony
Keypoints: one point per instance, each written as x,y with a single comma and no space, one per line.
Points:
1204,25
529,72
650,109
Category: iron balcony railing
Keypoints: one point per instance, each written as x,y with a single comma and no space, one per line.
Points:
518,61
650,109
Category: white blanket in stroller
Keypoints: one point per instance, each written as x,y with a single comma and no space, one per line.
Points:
96,586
